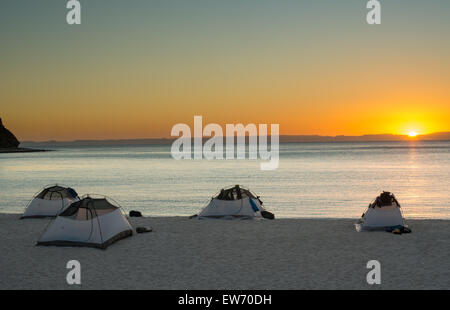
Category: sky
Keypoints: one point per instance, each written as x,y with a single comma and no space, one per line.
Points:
134,69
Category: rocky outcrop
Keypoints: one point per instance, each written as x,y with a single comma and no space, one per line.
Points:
7,139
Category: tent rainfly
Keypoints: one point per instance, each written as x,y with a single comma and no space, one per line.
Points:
90,222
235,203
51,201
382,213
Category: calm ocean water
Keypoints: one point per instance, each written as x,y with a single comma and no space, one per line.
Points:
325,180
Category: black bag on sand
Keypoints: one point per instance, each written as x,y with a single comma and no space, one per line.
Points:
398,230
141,230
135,213
268,215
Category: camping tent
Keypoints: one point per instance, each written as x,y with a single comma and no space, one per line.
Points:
382,213
91,222
50,201
234,203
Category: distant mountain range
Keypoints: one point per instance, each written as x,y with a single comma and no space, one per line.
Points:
440,136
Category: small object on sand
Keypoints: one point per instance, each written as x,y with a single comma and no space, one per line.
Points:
135,213
268,215
406,230
397,231
141,230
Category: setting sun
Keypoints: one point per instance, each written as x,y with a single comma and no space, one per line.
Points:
412,133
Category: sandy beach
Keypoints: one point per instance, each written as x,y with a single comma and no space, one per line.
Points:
207,254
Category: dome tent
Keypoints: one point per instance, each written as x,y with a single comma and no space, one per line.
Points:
235,203
382,213
50,201
90,222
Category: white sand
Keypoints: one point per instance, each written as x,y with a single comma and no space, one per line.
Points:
195,254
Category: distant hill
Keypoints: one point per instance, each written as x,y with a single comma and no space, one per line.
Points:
7,138
440,136
9,142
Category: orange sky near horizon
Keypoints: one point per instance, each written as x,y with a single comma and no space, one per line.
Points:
326,103
134,76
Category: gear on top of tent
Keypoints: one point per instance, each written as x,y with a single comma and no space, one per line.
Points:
383,213
235,203
90,222
51,201
385,199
